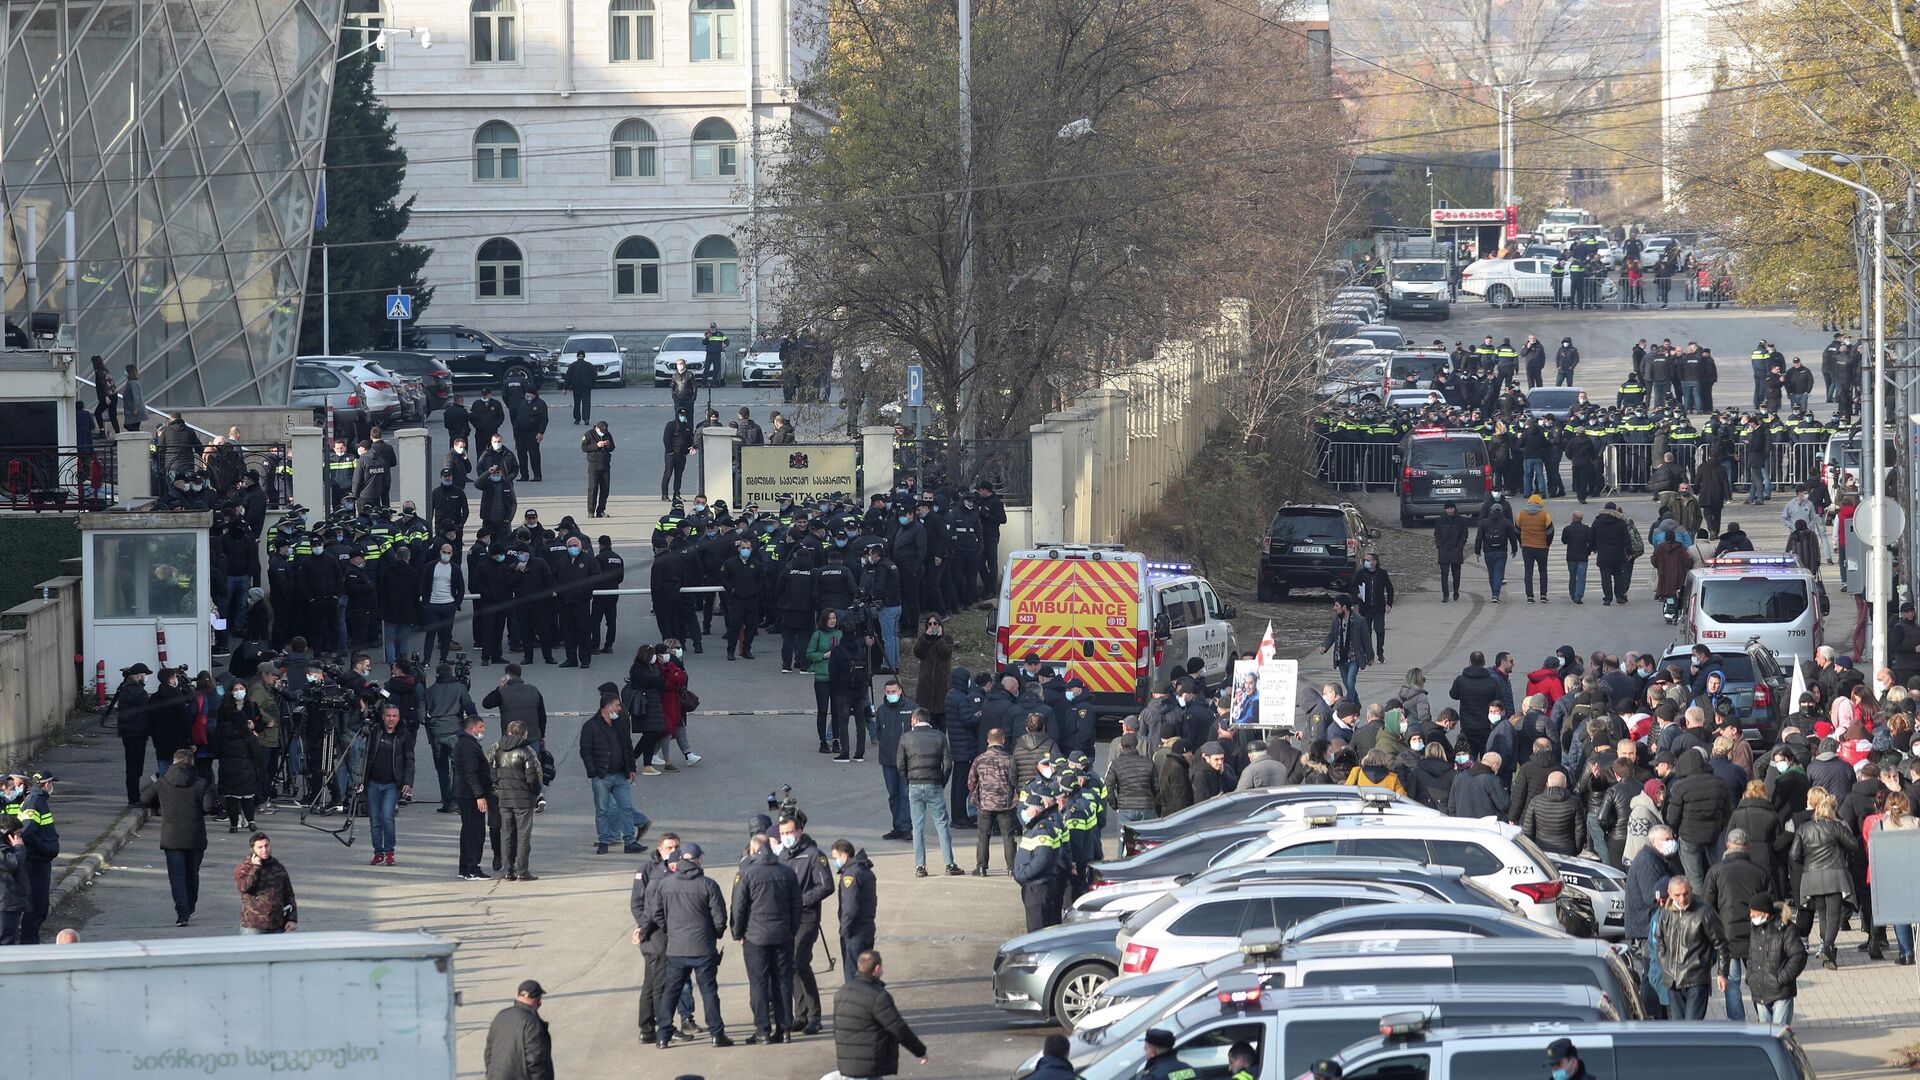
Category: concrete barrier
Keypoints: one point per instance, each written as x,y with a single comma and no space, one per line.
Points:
38,682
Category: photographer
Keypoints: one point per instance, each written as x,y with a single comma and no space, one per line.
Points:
880,592
849,682
265,692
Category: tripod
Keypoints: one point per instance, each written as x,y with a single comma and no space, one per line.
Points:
317,799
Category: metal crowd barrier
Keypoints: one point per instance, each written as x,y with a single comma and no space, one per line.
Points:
1629,465
1357,466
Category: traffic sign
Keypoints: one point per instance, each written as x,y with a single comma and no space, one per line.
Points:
916,385
399,306
1893,521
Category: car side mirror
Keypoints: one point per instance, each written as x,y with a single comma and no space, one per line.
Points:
484,347
623,350
1227,612
1373,534
1162,625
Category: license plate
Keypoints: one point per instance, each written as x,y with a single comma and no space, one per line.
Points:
1309,549
1446,489
1616,907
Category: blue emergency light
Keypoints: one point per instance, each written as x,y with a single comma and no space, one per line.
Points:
1169,568
1767,562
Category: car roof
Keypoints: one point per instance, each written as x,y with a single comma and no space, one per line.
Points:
1418,824
1330,508
1401,997
1567,946
1627,1031
1427,907
1416,435
1193,892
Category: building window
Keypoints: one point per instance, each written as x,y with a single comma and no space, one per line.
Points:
630,31
715,154
496,153
493,31
716,267
636,151
636,268
499,270
714,34
1320,53
363,21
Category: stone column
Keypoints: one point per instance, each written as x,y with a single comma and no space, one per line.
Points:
876,456
415,443
132,467
1049,524
715,460
307,445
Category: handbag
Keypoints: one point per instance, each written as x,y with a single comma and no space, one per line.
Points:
547,769
689,701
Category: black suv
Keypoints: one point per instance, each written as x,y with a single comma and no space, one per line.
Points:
1439,466
479,358
1756,685
1311,545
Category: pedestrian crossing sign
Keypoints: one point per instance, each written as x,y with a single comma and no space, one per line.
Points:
399,306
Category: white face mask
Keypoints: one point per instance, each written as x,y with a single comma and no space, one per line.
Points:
239,693
1760,920
1668,847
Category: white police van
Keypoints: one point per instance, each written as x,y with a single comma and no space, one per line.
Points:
1771,598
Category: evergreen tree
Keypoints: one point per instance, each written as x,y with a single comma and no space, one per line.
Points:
365,171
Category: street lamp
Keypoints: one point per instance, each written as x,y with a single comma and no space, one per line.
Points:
1504,127
1878,568
421,34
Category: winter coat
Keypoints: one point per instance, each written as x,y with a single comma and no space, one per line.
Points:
1028,749
1379,776
1450,539
641,699
1479,793
1730,886
518,1045
890,720
1611,540
132,707
1671,562
1820,850
1206,780
1647,876
1535,526
471,780
516,773
1693,945
1697,804
1712,489
266,895
391,754
15,893
239,751
1417,705
604,751
1431,782
868,1030
1767,842
936,668
179,798
1172,784
689,909
1556,821
1642,815
1776,956
1473,690
766,902
990,779
922,756
1268,772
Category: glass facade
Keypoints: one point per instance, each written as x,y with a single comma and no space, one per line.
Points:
185,136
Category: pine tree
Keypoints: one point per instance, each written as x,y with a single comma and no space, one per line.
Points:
365,171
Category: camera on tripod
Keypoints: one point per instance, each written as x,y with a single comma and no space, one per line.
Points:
783,804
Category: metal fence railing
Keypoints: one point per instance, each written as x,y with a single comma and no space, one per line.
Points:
57,478
225,465
1628,466
1356,466
1007,464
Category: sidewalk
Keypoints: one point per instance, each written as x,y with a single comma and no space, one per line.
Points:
89,807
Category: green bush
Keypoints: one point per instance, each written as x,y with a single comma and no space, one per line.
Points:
31,550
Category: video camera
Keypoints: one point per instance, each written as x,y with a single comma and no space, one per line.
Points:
783,804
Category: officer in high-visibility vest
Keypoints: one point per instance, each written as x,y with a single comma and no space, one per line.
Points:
1577,278
340,469
1036,863
1559,275
41,844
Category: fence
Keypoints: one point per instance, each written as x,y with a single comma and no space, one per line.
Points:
57,479
38,677
1007,464
1629,465
273,462
1345,465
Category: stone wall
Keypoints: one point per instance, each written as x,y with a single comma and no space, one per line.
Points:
38,684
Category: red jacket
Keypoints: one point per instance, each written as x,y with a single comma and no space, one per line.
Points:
1546,681
676,678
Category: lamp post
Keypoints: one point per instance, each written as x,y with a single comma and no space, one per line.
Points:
1504,128
1878,568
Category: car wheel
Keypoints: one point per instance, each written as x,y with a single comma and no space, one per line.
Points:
1370,399
509,373
1500,296
1073,994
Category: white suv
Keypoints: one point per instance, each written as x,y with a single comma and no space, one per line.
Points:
608,357
1194,924
686,345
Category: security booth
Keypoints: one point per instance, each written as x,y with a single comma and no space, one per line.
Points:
144,589
1487,228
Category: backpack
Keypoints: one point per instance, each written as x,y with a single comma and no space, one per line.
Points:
1636,545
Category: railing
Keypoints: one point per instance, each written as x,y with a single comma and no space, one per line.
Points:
1353,465
56,479
267,460
1630,465
1007,464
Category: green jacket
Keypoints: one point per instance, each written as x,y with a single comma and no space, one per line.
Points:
818,646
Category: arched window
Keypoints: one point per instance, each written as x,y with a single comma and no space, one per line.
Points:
499,270
496,153
716,267
713,32
362,21
630,31
636,151
636,268
494,25
715,153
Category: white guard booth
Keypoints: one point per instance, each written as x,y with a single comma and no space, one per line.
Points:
145,572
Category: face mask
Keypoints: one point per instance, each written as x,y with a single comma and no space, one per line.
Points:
239,693
905,518
1071,694
446,557
573,549
1780,766
838,862
678,653
699,506
497,444
1416,746
446,483
1759,920
1462,759
1184,701
893,699
746,553
220,691
839,543
614,715
1668,847
1561,1074
1368,564
499,558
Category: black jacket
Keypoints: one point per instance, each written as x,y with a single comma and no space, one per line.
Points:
132,707
1697,805
814,873
859,900
687,907
1766,840
1577,540
471,779
604,751
868,1030
766,902
1450,539
1556,821
923,757
388,757
516,773
1775,958
518,1045
1130,782
179,797
1731,885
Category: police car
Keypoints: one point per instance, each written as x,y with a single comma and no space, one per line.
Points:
1112,619
1440,465
1770,600
1410,1047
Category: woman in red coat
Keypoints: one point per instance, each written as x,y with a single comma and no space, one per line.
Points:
674,677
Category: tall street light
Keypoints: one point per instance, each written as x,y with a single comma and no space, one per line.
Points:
1504,127
1878,568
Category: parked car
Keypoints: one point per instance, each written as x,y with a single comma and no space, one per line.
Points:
686,345
435,378
478,358
380,389
1659,1050
608,357
1234,807
1554,401
1448,884
1056,972
1753,681
1416,919
1197,923
316,386
1511,282
1604,886
762,365
1311,545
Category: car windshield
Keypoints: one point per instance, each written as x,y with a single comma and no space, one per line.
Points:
766,345
1753,599
1308,527
1564,217
1556,399
1348,369
682,343
1448,454
1737,667
1420,271
596,343
1424,367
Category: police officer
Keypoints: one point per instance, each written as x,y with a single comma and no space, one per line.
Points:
797,851
1037,861
373,477
448,505
1162,1064
580,375
533,603
765,918
597,445
676,439
529,430
745,585
487,415
606,609
1242,1060
573,583
715,344
340,467
1559,275
494,581
40,845
858,902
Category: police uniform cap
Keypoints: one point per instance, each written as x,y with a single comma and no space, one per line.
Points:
1160,1038
1560,1049
1327,1069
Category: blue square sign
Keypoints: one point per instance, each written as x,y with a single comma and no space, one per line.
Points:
399,306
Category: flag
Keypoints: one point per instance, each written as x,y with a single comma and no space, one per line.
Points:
1265,652
320,203
1798,686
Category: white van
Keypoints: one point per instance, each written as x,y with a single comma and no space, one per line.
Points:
1111,619
1730,601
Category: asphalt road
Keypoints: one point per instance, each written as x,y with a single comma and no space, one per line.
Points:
569,930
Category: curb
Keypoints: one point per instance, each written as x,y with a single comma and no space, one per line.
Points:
95,861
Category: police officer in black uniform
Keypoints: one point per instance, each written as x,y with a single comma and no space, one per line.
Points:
529,429
487,415
597,445
606,609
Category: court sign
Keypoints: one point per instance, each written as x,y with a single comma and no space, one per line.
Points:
801,472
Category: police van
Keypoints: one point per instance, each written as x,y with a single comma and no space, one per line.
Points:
1440,465
1112,619
1770,599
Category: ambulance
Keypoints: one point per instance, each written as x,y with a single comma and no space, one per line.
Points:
1112,619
